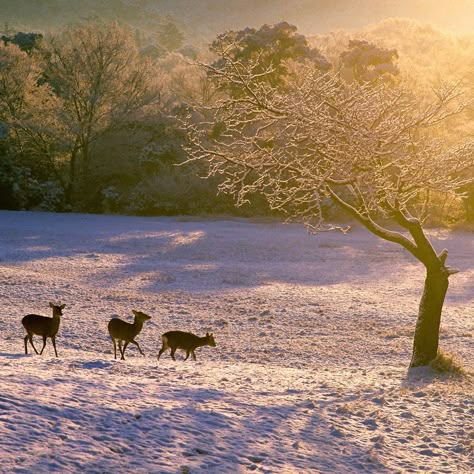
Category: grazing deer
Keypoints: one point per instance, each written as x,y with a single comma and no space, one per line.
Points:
120,330
184,340
43,326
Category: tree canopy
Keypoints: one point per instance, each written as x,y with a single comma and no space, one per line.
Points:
102,81
369,62
268,49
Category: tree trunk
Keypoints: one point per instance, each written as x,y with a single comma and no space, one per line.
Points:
426,340
425,343
84,179
71,187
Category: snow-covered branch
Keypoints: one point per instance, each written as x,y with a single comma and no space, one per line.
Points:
365,146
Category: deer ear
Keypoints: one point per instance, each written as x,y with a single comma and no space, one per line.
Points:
207,334
62,306
134,312
51,305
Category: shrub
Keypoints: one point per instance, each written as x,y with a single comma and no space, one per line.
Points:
21,189
175,192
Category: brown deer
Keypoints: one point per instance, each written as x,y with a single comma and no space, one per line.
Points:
120,330
184,340
43,326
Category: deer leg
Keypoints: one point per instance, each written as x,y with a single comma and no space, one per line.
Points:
53,340
115,348
26,344
187,354
29,337
136,343
44,344
163,349
32,345
123,350
193,354
172,353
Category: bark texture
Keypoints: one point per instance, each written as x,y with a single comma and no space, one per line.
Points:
425,342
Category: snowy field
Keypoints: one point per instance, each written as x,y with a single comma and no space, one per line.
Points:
309,374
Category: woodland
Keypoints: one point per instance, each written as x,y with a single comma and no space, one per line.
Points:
92,113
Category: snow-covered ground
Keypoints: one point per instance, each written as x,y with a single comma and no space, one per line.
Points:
309,374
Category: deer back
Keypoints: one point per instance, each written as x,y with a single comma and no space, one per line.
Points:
41,325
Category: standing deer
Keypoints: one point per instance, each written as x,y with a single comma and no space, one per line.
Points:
120,330
184,340
43,326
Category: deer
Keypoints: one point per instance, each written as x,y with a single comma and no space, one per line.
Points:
120,330
184,340
43,326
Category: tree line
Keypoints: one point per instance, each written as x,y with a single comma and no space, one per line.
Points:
91,117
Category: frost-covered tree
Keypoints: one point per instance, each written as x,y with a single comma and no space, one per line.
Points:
374,49
268,49
97,72
368,62
367,148
169,35
28,109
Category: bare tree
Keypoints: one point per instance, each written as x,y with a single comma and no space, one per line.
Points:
365,147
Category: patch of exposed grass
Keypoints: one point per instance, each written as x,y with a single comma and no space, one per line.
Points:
447,363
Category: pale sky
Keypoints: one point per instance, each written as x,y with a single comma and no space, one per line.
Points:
317,16
455,15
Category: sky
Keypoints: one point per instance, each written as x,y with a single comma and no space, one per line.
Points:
317,16
455,15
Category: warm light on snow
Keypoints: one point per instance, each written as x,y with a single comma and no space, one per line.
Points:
309,374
